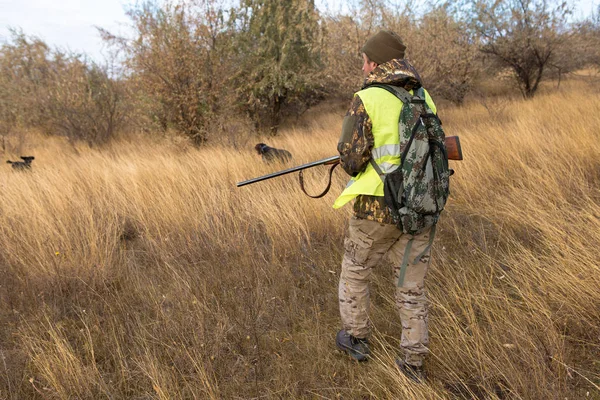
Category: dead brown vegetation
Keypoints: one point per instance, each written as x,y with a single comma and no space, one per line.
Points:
213,70
144,273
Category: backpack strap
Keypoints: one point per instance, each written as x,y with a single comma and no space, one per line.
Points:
429,244
402,94
404,97
376,167
406,260
420,92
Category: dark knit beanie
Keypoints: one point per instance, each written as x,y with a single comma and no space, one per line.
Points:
383,47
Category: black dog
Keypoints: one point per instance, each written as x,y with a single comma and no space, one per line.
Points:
22,165
271,154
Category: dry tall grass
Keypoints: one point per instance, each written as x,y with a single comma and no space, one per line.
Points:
141,271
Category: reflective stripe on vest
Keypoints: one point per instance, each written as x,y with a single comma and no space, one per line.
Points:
384,110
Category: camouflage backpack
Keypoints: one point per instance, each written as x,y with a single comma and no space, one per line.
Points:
416,192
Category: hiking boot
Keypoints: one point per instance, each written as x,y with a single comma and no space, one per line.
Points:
355,347
412,372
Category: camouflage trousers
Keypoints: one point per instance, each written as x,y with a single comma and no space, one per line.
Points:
365,245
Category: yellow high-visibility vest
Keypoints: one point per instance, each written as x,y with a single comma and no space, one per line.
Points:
384,110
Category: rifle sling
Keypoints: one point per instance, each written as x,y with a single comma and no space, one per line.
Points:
301,179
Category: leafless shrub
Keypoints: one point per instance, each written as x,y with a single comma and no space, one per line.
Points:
445,54
175,61
59,93
217,70
438,44
524,35
84,104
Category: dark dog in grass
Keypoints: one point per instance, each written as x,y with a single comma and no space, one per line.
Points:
271,154
24,165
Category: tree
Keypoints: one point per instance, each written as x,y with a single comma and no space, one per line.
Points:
438,45
341,53
278,56
445,54
84,103
25,75
59,93
172,63
585,41
347,32
523,35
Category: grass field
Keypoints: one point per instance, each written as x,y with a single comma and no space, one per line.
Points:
139,270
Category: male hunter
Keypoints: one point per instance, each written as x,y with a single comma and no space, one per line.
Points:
370,129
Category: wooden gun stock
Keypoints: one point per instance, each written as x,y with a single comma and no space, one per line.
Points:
453,148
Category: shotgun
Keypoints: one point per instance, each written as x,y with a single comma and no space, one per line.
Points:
452,148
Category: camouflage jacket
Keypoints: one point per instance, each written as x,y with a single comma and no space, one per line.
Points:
357,140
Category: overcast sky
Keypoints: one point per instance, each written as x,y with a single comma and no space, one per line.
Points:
69,24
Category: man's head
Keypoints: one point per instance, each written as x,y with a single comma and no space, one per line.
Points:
381,48
368,65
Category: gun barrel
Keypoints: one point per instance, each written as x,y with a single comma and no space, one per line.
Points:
324,161
452,146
